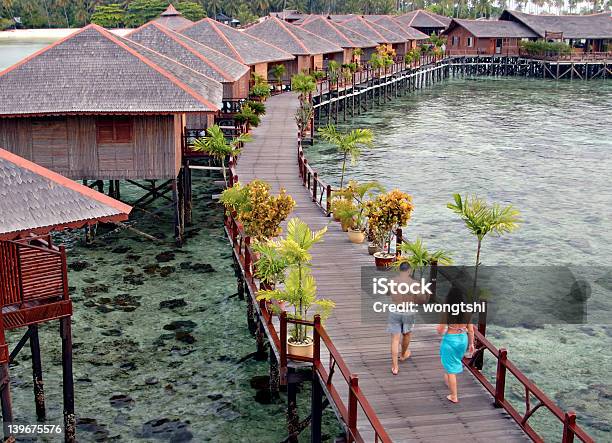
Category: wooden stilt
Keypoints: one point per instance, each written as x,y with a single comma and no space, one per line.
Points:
5,399
260,355
68,381
274,376
293,419
37,378
317,410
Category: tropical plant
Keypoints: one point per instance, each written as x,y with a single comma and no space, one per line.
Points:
260,213
360,194
271,265
303,116
541,47
299,289
357,53
318,75
346,211
191,10
304,84
333,71
482,218
215,144
260,90
257,107
247,115
417,256
348,143
278,71
387,213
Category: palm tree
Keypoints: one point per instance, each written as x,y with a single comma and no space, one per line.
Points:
482,218
217,146
418,257
278,71
304,84
349,143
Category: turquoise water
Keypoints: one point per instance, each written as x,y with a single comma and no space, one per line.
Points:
546,148
12,51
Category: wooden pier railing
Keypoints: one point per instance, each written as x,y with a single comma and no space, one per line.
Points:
320,191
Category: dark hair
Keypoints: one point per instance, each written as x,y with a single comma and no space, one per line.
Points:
404,266
456,296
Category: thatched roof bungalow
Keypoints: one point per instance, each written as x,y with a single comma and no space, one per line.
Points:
344,37
590,33
485,37
173,19
311,51
425,21
246,49
232,74
91,107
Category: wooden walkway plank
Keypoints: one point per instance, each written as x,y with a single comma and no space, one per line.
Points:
412,405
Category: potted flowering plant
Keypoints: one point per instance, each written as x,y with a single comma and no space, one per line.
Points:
386,214
359,194
299,290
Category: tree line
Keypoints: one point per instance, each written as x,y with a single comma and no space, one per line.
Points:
130,13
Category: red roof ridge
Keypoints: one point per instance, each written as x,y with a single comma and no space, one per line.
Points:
163,29
149,63
64,181
225,39
170,10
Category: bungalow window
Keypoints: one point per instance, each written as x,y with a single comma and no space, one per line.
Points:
470,42
455,41
115,130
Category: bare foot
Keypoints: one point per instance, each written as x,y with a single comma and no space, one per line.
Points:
405,355
394,370
450,398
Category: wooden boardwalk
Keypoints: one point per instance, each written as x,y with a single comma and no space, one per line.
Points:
412,406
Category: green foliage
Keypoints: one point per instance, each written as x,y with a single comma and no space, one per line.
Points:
245,14
6,23
318,75
247,115
260,90
271,266
333,70
303,115
303,83
278,71
541,47
299,289
191,10
360,194
412,56
215,144
418,257
348,143
142,11
109,16
258,108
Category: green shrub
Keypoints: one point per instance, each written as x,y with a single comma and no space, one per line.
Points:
541,47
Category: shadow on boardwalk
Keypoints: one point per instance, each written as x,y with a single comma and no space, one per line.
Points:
412,406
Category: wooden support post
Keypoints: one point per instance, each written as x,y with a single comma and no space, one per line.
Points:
37,378
500,379
352,407
68,382
252,325
568,423
240,288
314,187
176,205
482,328
293,419
274,376
260,355
316,409
5,399
188,194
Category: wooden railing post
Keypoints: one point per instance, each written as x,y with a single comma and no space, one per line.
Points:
352,407
305,173
247,257
328,198
316,337
283,348
500,379
568,423
314,187
62,249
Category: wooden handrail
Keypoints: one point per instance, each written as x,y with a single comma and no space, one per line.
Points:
570,428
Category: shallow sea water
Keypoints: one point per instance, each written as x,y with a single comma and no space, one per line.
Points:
545,147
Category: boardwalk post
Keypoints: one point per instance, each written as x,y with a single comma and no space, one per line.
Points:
500,378
5,398
568,423
293,419
314,187
352,407
39,392
68,381
283,347
317,390
274,376
328,200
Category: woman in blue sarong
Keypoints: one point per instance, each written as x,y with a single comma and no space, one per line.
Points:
457,338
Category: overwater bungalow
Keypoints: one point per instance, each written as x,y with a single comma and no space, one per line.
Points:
425,21
488,37
91,107
33,272
412,35
312,52
173,19
251,51
346,38
586,33
234,75
378,33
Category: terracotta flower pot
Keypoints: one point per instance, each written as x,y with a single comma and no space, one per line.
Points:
383,260
301,349
356,236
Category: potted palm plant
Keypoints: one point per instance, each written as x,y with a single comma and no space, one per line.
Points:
357,53
303,117
387,213
418,257
278,71
299,290
348,143
361,193
333,73
271,265
215,144
304,84
247,115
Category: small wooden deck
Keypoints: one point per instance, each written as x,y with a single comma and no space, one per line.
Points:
412,406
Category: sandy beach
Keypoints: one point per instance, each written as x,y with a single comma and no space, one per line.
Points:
45,33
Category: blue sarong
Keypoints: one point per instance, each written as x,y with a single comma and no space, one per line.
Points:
452,349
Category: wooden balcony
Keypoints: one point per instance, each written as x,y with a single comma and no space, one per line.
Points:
33,282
